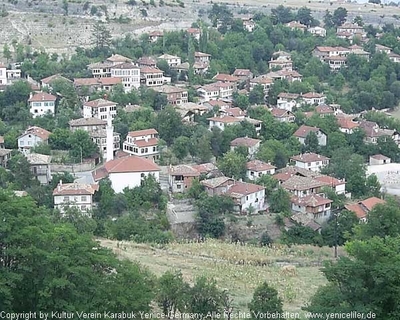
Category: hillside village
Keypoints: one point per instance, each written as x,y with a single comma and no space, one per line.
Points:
273,133
192,89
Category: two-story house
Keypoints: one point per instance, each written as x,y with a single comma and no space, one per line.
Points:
281,60
42,103
310,161
153,77
258,168
317,31
172,61
251,145
127,172
181,177
100,108
90,85
247,196
129,74
74,195
287,101
40,167
32,137
142,143
313,98
313,206
175,95
194,32
302,133
282,115
103,69
243,74
295,25
155,35
202,57
347,124
264,81
146,62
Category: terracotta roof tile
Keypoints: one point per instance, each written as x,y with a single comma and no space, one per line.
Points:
42,96
37,131
243,188
139,133
309,157
87,122
73,189
258,165
244,142
304,131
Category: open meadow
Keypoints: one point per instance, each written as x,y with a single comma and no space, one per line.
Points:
239,269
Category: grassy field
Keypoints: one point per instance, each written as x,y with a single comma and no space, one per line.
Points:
223,261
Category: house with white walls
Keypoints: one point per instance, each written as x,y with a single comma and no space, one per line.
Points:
258,168
127,172
310,161
100,109
251,145
42,103
32,137
302,133
142,143
74,195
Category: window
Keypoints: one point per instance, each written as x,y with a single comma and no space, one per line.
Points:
141,150
83,208
66,199
178,186
83,198
154,149
327,205
247,197
142,175
309,164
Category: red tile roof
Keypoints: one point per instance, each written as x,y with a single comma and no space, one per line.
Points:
108,81
225,119
243,189
312,200
370,203
54,77
183,170
242,73
42,96
234,112
245,142
376,156
362,208
346,123
257,165
37,131
225,77
143,143
130,164
309,157
312,95
75,189
147,69
329,181
280,113
304,131
324,109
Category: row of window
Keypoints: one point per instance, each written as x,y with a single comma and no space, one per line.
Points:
45,104
125,72
75,199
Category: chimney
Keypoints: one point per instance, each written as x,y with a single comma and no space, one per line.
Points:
146,138
59,186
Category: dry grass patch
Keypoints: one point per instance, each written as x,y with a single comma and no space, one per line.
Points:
239,269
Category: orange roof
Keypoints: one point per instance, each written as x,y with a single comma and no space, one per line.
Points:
370,203
148,143
42,96
243,188
279,113
150,70
225,119
75,189
130,164
183,170
258,165
139,133
37,131
329,181
309,157
304,131
225,77
109,81
312,95
346,123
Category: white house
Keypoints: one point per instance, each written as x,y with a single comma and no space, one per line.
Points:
74,195
378,159
313,206
251,145
172,61
258,168
42,103
40,167
153,77
3,75
287,101
202,57
32,137
100,109
127,172
317,31
310,161
302,133
313,98
142,143
129,74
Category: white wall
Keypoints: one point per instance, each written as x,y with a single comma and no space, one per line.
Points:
120,181
38,109
3,76
250,200
29,140
73,201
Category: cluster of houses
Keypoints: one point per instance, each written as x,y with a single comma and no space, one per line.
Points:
126,167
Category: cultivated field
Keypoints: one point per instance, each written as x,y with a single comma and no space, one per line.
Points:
239,269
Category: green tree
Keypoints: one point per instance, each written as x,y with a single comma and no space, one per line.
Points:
373,186
101,37
59,139
256,95
181,147
339,231
233,164
172,293
21,170
7,52
265,300
311,143
168,124
304,16
279,201
366,281
339,16
81,145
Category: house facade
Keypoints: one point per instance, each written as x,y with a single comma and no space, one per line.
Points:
313,206
302,133
282,115
175,95
153,77
362,208
181,177
42,103
74,195
100,108
251,145
127,172
40,167
172,61
142,143
310,161
32,137
129,74
258,168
